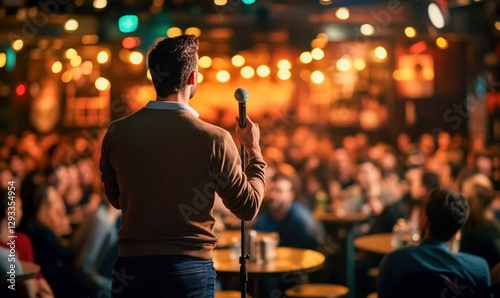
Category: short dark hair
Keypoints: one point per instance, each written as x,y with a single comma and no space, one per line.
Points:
430,181
447,212
171,61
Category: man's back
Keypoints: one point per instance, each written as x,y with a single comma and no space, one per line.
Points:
432,256
167,165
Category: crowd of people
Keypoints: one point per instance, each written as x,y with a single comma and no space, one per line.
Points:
65,224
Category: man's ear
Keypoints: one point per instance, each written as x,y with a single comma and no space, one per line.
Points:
192,78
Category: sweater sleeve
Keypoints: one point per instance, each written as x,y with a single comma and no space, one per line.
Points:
241,192
108,174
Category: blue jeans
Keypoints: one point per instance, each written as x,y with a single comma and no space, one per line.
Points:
163,276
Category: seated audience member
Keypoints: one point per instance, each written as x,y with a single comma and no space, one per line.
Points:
368,195
55,259
446,212
24,250
10,269
95,246
293,222
481,234
410,207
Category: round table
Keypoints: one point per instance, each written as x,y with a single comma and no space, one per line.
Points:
287,260
376,243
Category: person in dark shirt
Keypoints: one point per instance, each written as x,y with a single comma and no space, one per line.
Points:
293,222
446,213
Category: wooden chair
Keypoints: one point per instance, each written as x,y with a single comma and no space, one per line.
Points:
317,291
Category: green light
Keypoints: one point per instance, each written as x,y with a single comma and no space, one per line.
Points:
128,23
11,59
248,1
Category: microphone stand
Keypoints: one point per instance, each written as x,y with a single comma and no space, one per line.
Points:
243,257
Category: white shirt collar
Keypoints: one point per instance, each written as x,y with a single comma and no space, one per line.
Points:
170,105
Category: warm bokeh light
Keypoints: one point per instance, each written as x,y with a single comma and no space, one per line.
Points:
442,43
319,43
367,29
380,52
90,39
136,57
194,31
148,75
325,2
497,25
435,15
102,84
21,89
238,60
284,64
205,62
317,54
131,42
174,31
67,77
87,67
200,77
220,2
102,57
263,71
70,53
17,44
3,59
76,61
71,25
342,13
247,72
344,64
428,74
222,76
77,73
284,74
99,4
317,77
359,64
410,32
306,57
57,67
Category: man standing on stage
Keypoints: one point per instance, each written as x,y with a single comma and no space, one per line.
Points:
162,166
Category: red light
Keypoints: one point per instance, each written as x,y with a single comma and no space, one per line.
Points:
21,89
131,42
418,47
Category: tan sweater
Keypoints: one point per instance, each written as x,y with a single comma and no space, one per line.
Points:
162,168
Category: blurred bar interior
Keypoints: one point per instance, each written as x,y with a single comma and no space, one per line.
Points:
382,67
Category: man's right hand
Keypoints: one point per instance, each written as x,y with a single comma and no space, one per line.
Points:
249,136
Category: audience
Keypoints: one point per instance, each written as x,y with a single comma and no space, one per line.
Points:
481,234
447,213
340,173
11,211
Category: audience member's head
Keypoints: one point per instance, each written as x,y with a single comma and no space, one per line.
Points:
447,212
368,173
50,210
282,193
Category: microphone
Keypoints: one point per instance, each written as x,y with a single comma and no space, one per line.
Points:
241,95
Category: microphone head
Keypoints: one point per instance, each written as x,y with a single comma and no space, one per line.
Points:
241,95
